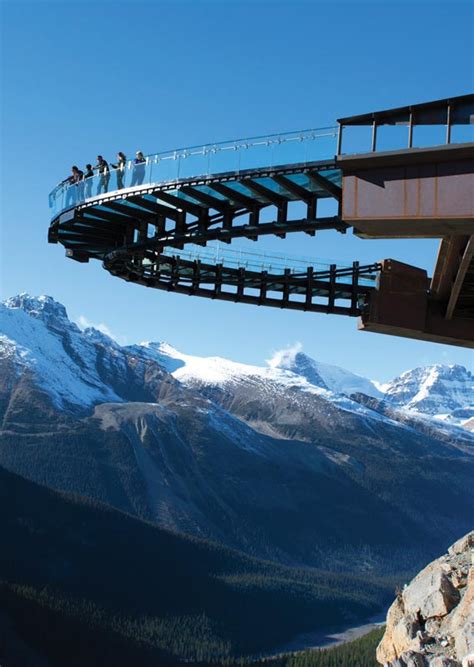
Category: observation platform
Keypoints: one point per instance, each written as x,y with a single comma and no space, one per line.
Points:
162,223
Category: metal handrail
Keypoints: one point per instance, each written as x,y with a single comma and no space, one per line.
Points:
209,149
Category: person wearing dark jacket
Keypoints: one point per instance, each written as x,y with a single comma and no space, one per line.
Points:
89,173
75,191
120,169
139,165
104,174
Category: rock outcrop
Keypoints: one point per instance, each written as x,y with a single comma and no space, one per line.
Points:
431,622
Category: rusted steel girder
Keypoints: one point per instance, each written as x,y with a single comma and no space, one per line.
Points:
417,192
402,305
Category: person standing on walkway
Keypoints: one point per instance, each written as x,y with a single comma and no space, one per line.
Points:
139,165
120,169
75,189
88,174
104,175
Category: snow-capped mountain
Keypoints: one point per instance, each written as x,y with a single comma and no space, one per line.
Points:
304,373
295,461
35,333
85,367
441,391
287,367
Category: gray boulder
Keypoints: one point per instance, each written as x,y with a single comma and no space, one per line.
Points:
431,623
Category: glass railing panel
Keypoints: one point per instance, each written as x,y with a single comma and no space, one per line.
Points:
223,159
119,179
461,134
321,145
392,137
253,155
165,168
90,187
193,163
226,157
102,183
287,150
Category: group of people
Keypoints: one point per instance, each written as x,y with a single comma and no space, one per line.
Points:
83,179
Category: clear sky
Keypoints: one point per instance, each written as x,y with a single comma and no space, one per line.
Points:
84,78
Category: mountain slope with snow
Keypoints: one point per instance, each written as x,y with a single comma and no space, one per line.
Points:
85,368
285,461
36,334
441,391
327,376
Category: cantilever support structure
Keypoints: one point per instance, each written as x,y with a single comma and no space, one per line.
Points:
138,230
402,305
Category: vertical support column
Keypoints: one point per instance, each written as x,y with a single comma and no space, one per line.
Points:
174,279
332,287
203,223
263,288
240,284
196,275
410,130
142,231
355,285
339,139
309,287
180,228
254,217
156,271
448,125
282,215
218,280
129,234
312,208
374,136
228,219
160,224
286,287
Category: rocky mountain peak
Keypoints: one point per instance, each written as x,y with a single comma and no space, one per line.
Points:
325,376
436,390
431,622
42,307
299,363
36,332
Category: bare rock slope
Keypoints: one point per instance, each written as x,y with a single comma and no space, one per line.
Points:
431,622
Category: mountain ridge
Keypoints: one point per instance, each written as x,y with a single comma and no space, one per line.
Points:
452,386
255,458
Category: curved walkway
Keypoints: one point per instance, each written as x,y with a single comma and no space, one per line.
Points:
139,230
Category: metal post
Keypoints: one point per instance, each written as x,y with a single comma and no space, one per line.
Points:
339,139
354,287
448,125
374,135
410,131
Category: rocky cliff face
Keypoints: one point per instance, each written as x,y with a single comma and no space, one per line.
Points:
431,622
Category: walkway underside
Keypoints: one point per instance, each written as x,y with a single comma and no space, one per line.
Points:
317,291
133,231
219,207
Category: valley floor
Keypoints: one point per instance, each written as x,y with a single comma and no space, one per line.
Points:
336,637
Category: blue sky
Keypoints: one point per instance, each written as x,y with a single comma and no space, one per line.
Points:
80,79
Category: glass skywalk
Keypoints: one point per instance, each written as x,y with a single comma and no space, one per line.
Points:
232,157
